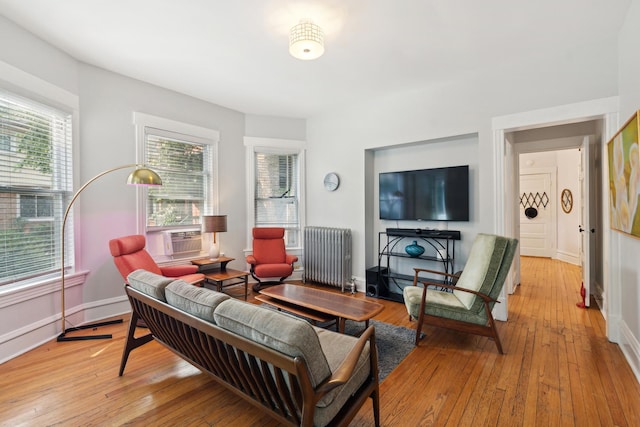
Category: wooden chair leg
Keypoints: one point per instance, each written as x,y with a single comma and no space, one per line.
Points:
419,326
496,337
375,397
132,341
492,326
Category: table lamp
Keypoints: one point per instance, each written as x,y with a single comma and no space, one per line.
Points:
214,224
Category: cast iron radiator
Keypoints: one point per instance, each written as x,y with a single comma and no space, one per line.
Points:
327,255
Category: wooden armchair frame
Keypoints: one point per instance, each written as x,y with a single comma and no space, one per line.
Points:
488,330
477,288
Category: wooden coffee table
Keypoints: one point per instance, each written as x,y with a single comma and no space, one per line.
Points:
306,301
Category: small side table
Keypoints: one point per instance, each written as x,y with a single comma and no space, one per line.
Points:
232,277
218,276
203,263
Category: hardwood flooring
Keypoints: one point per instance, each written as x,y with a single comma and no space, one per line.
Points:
559,370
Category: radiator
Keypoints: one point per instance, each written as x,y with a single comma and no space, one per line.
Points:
327,255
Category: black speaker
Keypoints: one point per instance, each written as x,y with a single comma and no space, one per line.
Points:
376,281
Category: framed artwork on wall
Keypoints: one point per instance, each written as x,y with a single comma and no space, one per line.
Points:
566,200
624,178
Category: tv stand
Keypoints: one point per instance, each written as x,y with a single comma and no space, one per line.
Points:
386,282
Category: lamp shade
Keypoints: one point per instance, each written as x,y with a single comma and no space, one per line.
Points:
144,176
214,223
306,41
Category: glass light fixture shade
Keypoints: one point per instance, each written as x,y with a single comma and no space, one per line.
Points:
306,41
144,176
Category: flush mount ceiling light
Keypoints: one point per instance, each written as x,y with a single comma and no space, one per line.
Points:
306,40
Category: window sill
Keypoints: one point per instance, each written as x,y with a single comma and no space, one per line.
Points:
21,292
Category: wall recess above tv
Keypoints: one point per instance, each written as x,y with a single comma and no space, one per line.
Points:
439,194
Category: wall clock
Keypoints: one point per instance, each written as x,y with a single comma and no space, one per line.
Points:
331,181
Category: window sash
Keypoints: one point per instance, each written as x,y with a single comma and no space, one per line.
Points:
35,187
276,193
184,163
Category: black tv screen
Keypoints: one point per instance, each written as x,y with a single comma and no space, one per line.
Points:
440,194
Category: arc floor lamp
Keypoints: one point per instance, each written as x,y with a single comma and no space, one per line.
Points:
140,176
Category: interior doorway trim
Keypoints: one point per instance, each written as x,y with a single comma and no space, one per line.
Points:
605,109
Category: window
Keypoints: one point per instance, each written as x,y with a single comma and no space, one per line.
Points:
276,183
184,157
185,171
35,185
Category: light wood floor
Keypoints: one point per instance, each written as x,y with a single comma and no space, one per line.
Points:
559,369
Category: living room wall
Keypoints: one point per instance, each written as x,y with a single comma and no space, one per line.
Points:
455,151
106,138
625,269
463,105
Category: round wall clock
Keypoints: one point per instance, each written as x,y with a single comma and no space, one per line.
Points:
331,181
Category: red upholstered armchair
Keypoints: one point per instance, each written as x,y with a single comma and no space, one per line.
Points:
269,258
129,255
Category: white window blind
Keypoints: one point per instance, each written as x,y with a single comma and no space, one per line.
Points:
277,193
35,186
184,164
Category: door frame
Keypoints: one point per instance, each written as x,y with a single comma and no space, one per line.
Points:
605,109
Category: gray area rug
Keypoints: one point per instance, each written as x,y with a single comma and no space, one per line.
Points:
394,343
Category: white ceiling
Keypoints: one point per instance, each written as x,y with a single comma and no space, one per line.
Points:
234,53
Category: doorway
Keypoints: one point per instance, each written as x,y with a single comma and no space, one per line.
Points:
551,129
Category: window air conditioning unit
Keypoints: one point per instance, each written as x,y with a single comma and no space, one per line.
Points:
180,242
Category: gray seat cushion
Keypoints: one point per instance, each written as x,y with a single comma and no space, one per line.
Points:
336,347
149,283
200,302
279,331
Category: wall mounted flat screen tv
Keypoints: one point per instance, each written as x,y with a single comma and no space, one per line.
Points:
440,194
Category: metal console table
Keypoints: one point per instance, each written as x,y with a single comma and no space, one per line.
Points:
440,245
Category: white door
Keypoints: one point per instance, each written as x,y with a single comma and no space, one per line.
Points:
537,233
585,229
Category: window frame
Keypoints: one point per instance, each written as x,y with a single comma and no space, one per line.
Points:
255,145
187,132
17,82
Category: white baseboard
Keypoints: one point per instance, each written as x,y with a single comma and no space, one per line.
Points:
630,348
30,336
568,257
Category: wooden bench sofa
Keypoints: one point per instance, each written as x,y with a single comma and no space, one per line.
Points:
297,373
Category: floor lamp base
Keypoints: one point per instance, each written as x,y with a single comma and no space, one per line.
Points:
63,337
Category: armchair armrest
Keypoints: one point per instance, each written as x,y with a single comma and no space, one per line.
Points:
290,259
346,368
485,298
178,270
251,260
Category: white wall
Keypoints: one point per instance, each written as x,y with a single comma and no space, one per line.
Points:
624,265
455,151
568,177
107,208
337,141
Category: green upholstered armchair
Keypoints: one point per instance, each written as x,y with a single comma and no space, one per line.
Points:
466,306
